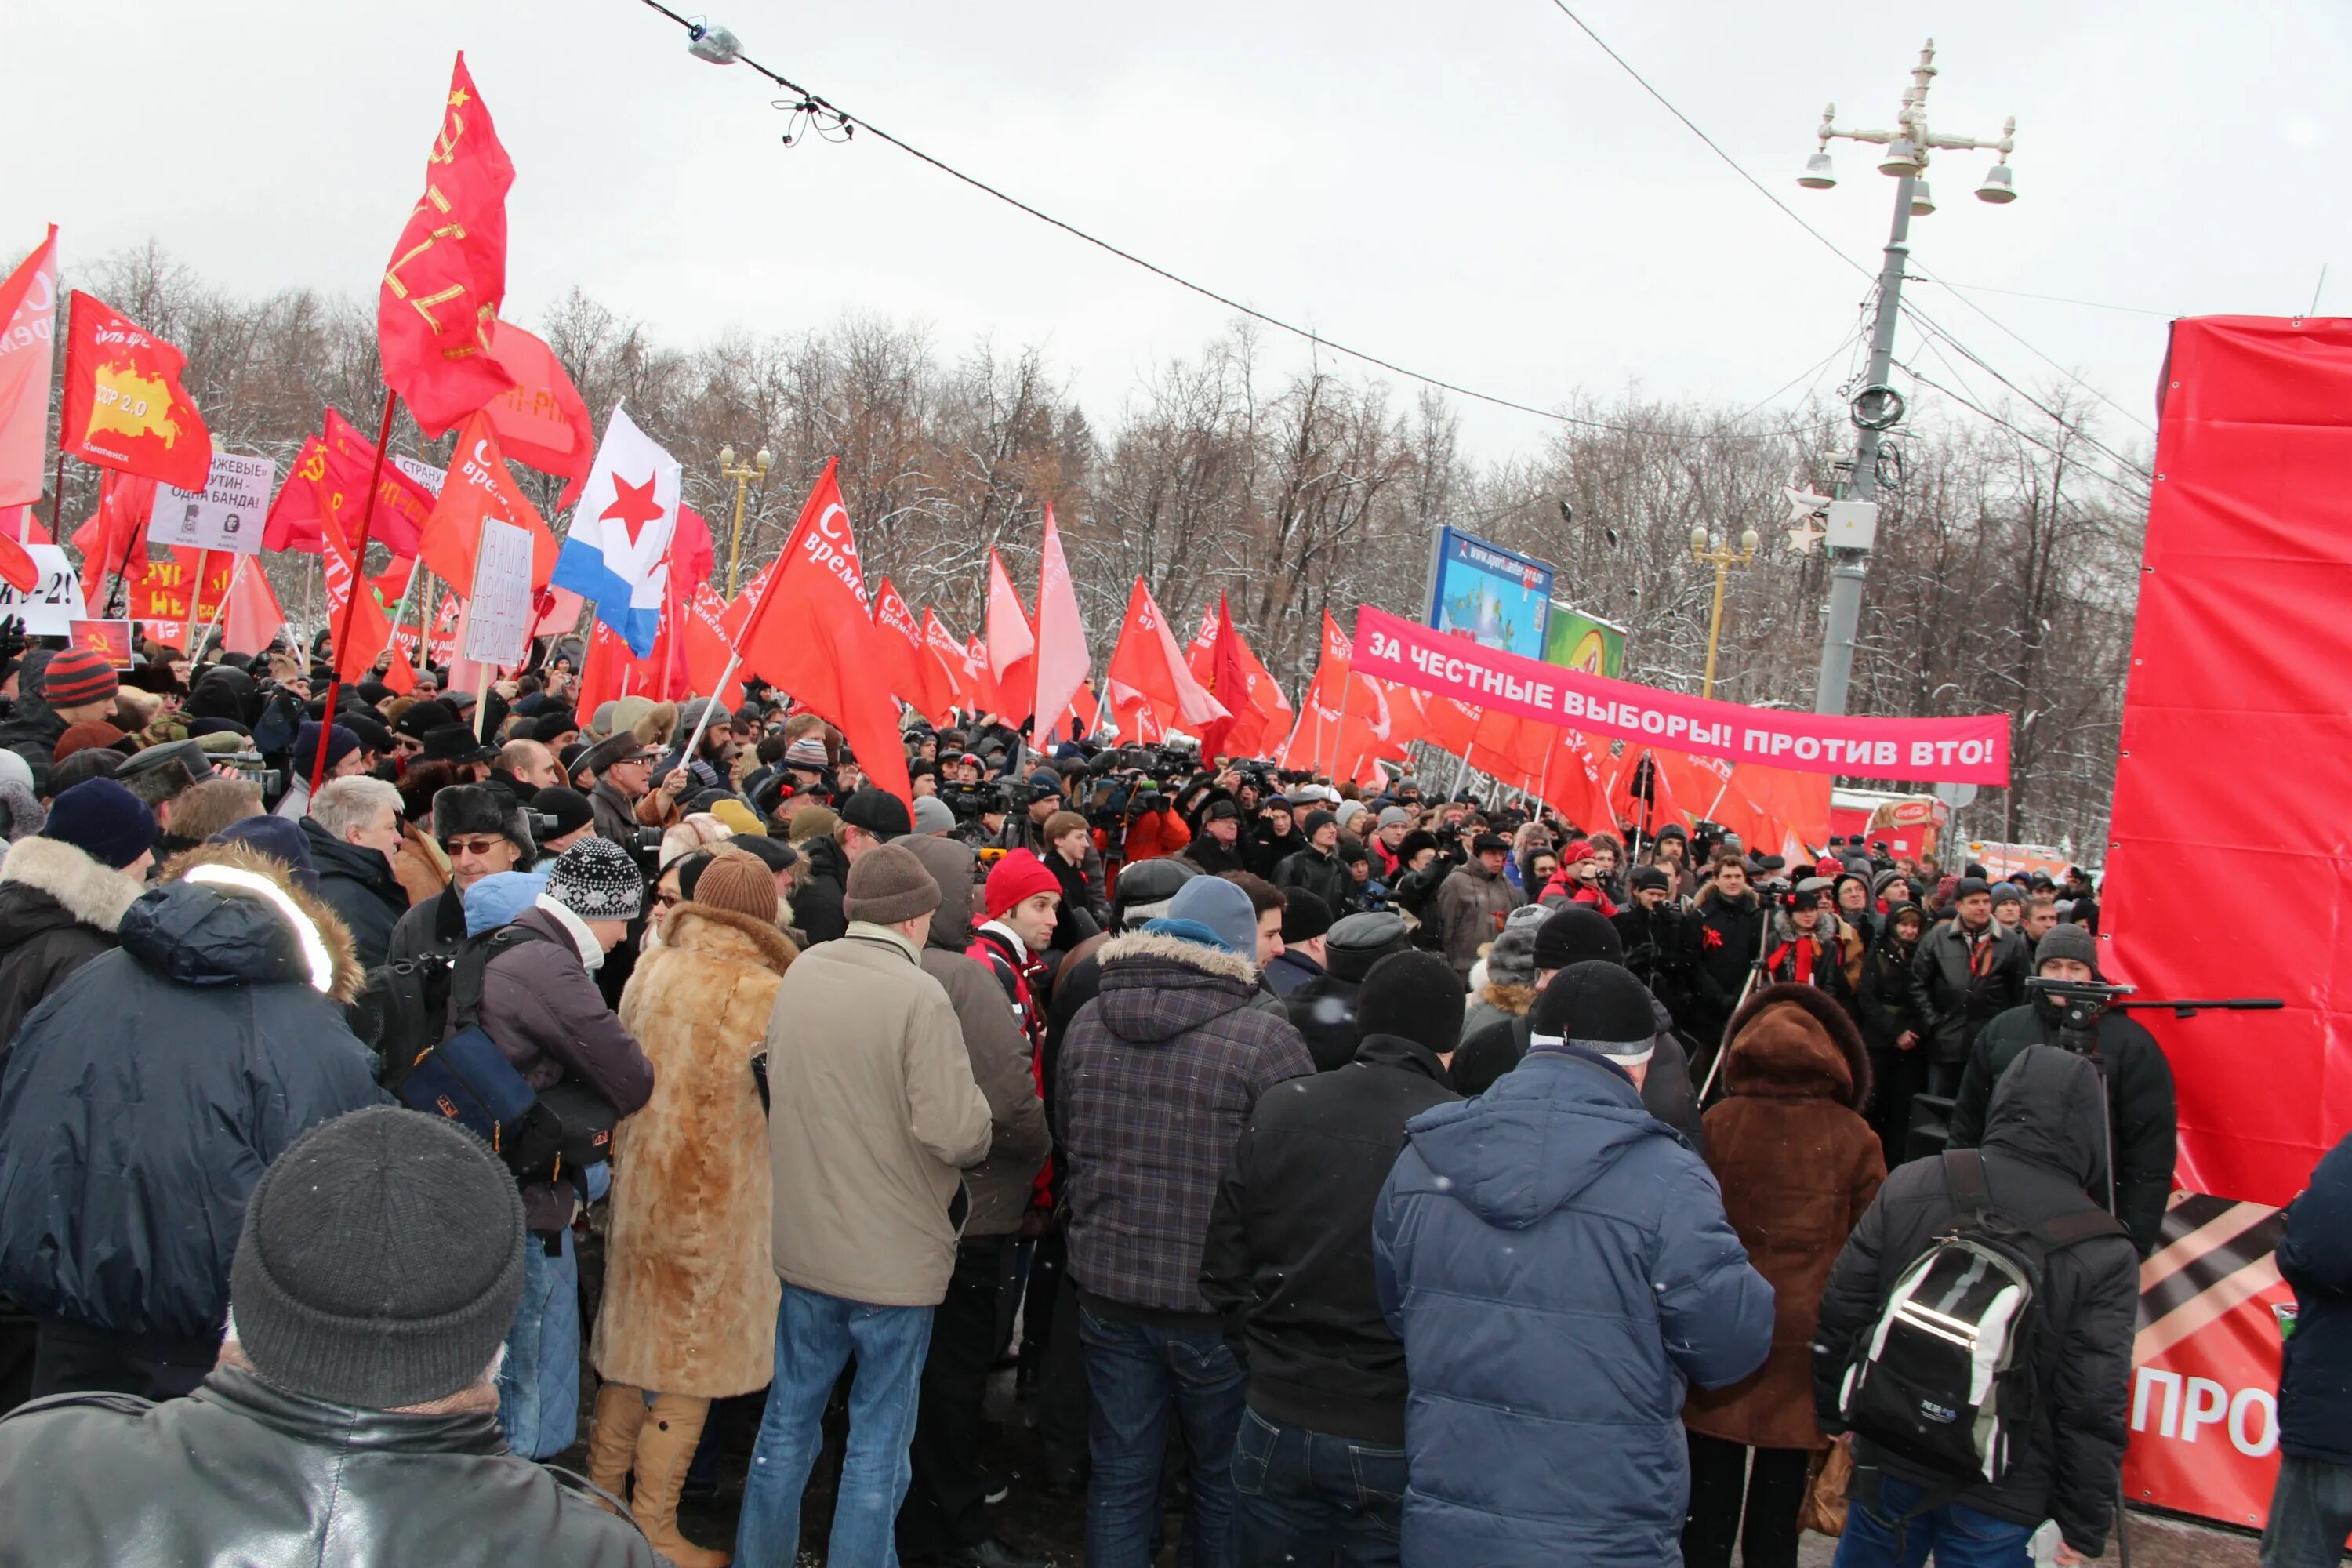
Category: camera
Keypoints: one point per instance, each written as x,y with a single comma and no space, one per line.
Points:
540,824
248,765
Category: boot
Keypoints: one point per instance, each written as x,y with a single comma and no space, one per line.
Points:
613,1434
664,1450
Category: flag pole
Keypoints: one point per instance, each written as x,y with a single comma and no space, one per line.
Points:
481,701
709,706
58,502
220,611
351,600
122,573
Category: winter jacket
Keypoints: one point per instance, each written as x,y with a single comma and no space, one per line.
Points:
1084,911
1834,946
1268,850
1798,1166
357,883
433,929
59,909
1558,1266
1002,1053
1288,970
243,1471
145,1095
1470,907
1956,1003
2315,1258
1290,1252
1727,936
2041,1159
874,1116
1317,873
1159,1075
614,814
32,731
1666,1087
689,1303
1657,950
1213,858
2139,1098
544,1010
817,902
1153,834
1887,1006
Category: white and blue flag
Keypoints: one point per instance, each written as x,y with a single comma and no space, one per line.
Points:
618,552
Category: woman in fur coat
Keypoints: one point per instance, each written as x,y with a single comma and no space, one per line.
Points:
690,1293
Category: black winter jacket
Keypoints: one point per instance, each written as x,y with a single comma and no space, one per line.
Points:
1953,1001
817,902
2315,1407
59,909
1658,951
2042,1158
144,1098
357,883
1320,874
243,1471
32,731
1268,850
2139,1094
1727,937
1886,1004
1213,858
1289,1254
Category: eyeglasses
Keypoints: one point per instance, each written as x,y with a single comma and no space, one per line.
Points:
667,901
484,845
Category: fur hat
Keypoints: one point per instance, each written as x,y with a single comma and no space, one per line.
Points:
479,808
1511,958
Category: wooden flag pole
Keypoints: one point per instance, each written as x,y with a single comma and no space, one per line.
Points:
220,611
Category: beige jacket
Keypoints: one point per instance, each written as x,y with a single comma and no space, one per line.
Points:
873,1116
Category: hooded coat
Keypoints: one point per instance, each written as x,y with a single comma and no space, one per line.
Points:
1471,906
144,1098
1558,1265
58,909
2043,1157
690,1292
1798,1166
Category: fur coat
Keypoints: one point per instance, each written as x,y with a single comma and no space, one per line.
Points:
59,909
1798,1166
691,1291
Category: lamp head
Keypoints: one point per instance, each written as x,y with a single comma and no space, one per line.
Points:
1749,542
709,41
1901,159
761,459
1922,203
727,456
1818,175
1699,539
1999,187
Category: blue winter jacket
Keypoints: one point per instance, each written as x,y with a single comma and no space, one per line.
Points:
2315,1407
1558,1265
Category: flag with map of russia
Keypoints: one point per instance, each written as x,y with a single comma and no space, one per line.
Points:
124,406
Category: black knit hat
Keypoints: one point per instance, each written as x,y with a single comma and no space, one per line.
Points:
1304,915
1599,1006
1314,822
380,1263
570,808
1574,933
2068,942
1414,994
1970,886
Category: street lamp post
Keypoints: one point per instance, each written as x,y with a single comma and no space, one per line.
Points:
1710,551
1877,407
743,477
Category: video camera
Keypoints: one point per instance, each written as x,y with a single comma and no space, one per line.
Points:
248,766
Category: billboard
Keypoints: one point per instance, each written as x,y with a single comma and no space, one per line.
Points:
1490,595
1574,640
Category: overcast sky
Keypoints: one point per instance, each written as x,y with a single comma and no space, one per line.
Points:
1473,190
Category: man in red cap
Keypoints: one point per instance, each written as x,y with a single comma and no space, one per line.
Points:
1024,899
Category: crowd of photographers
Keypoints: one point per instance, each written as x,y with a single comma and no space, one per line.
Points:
1451,1184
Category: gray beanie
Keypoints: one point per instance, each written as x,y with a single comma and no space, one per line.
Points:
381,1261
934,814
2006,893
889,885
2074,941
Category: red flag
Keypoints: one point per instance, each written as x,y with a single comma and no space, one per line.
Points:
402,504
540,421
16,566
294,516
707,645
1448,723
916,677
612,671
690,552
124,405
370,628
1147,685
1011,642
1062,659
448,273
1315,740
478,485
1201,653
1229,684
959,672
254,619
811,636
112,535
1271,708
984,696
28,317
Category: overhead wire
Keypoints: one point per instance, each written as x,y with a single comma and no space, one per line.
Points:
1962,295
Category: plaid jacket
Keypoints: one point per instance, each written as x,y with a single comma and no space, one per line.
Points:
1159,1076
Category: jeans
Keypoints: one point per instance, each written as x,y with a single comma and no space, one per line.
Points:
1959,1537
2311,1513
1137,1373
1722,1482
815,1335
539,1382
1304,1496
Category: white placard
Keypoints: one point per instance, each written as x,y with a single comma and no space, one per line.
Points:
424,473
227,515
499,612
56,600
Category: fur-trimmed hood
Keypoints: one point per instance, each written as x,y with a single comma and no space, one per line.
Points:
199,935
704,927
1156,987
1794,1042
94,895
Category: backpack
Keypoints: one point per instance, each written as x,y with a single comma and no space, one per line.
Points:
404,1012
1945,1378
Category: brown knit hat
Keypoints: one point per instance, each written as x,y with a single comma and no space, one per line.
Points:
889,885
739,883
79,675
82,736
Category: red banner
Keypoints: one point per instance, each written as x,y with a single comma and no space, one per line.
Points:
1973,749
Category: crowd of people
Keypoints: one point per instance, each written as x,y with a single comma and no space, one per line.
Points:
1345,1175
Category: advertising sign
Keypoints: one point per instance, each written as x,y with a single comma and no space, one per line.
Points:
1487,593
1574,640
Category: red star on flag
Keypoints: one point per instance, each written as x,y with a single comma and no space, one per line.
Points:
634,505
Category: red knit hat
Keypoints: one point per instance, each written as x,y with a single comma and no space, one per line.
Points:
78,676
1018,876
1579,850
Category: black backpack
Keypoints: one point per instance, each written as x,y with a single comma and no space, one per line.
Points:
1944,1378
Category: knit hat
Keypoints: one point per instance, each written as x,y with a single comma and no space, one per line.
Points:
279,838
82,736
2006,893
1017,875
879,812
808,751
1355,943
741,883
380,1262
1417,996
551,723
1599,1006
340,743
737,816
79,675
571,809
1304,915
1390,814
597,880
103,820
1651,877
2069,941
889,885
1967,887
1216,907
933,815
1314,822
500,898
1576,853
1574,934
1347,813
813,822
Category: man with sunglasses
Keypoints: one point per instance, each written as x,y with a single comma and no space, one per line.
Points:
482,831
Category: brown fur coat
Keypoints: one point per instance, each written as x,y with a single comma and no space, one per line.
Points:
690,1290
1798,1166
